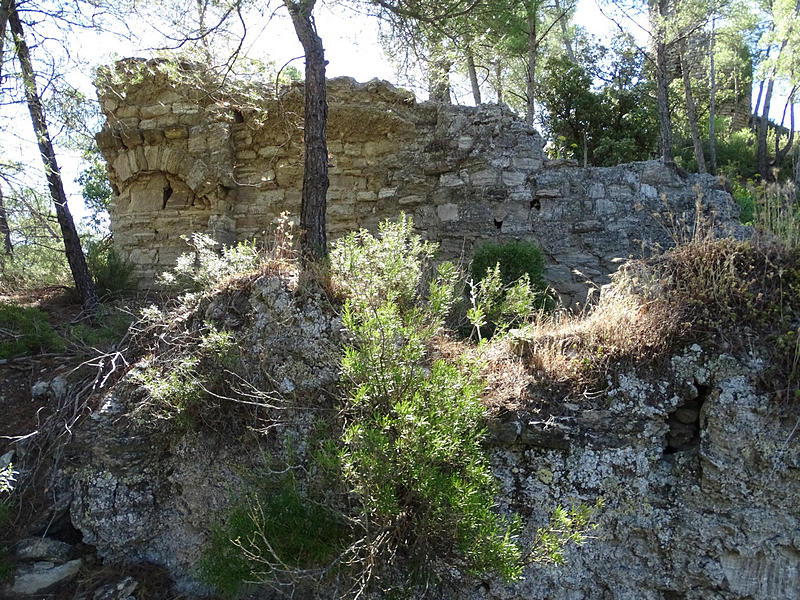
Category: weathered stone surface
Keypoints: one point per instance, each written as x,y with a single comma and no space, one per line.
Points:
716,519
32,580
141,496
699,480
42,549
387,154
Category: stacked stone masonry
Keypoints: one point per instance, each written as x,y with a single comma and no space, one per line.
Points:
189,157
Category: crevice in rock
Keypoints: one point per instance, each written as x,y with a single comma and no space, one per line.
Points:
536,204
166,196
238,117
498,224
684,422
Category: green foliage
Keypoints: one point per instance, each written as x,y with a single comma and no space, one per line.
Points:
744,197
109,328
507,286
388,267
111,273
601,106
567,526
274,529
7,474
26,331
495,308
179,386
38,258
412,447
207,266
95,189
516,258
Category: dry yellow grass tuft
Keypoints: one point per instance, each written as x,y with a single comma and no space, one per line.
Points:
723,292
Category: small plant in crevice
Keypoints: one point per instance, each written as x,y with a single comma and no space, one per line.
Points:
568,526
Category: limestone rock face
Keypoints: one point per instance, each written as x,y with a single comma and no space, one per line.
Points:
713,517
698,472
142,494
187,155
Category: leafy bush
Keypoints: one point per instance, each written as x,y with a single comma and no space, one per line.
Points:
26,331
495,308
516,258
507,285
207,266
111,273
413,453
275,529
745,198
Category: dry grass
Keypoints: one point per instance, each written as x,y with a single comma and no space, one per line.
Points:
724,293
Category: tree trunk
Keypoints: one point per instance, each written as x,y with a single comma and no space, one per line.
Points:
691,113
72,243
473,77
763,126
780,153
498,80
439,74
315,175
5,230
712,107
530,107
564,33
658,14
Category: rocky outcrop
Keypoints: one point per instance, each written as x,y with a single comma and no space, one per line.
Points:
698,485
697,470
187,154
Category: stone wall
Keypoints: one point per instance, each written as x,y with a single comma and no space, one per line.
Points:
187,154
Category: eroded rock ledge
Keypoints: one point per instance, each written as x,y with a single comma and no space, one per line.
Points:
186,153
694,466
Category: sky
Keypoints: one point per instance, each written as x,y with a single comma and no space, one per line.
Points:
351,45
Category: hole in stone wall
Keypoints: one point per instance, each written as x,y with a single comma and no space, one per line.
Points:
536,204
684,423
238,117
498,224
167,195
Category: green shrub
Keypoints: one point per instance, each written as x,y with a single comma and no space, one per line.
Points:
111,273
413,451
209,265
516,258
26,331
272,530
507,286
746,199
